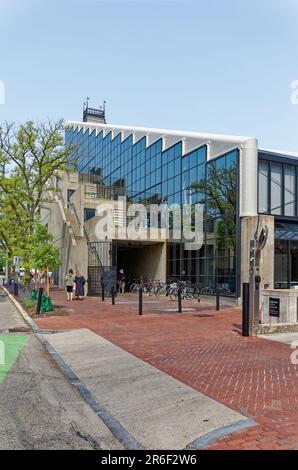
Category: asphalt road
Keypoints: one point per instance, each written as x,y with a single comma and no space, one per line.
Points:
39,408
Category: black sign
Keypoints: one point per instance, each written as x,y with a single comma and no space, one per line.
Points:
274,307
109,278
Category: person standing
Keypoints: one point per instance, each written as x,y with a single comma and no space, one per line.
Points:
121,281
80,282
50,277
69,284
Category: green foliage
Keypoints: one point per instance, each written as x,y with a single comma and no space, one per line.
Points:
43,255
30,155
2,259
28,302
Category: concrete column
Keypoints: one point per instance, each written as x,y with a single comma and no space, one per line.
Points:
248,228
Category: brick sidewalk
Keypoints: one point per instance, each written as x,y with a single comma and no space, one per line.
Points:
205,350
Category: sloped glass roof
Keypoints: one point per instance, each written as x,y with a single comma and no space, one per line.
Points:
284,231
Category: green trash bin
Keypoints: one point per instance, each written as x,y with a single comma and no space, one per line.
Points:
46,304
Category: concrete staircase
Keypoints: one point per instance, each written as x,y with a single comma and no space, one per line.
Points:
72,222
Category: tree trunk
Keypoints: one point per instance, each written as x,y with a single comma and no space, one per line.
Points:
47,283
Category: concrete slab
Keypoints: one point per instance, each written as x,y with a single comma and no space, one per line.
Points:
9,316
157,410
286,338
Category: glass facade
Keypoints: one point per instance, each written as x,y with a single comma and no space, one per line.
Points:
277,188
286,255
277,181
147,173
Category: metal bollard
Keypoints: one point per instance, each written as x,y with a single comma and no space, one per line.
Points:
245,309
217,298
179,300
113,295
102,292
40,293
140,301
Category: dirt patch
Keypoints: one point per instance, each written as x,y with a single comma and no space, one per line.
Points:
54,313
57,312
20,329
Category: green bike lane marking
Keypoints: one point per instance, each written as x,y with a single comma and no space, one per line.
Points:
10,348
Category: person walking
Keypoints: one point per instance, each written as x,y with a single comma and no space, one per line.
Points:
80,282
69,284
121,281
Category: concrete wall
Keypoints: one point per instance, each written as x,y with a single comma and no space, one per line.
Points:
73,251
148,261
248,228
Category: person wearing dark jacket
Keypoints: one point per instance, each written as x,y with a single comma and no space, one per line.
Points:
121,281
79,283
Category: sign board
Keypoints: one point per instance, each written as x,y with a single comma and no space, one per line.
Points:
274,306
109,278
16,261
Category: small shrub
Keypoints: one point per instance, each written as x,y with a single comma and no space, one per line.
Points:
28,302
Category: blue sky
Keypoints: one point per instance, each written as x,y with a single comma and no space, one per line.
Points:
222,66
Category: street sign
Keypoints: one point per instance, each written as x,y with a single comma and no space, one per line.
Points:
16,261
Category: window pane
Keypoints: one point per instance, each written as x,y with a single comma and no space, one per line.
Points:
263,187
289,191
276,186
281,264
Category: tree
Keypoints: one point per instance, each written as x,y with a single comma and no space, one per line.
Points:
2,259
30,155
220,189
43,255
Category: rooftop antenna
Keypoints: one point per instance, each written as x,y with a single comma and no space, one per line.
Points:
86,103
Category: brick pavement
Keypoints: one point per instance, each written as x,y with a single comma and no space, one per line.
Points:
205,350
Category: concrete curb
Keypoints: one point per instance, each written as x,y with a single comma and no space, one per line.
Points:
128,441
210,438
34,327
121,434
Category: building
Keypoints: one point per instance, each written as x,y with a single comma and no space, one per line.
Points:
242,188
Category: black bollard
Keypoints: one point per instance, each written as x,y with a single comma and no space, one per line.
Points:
16,288
102,292
245,309
140,301
179,300
113,295
40,292
217,298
